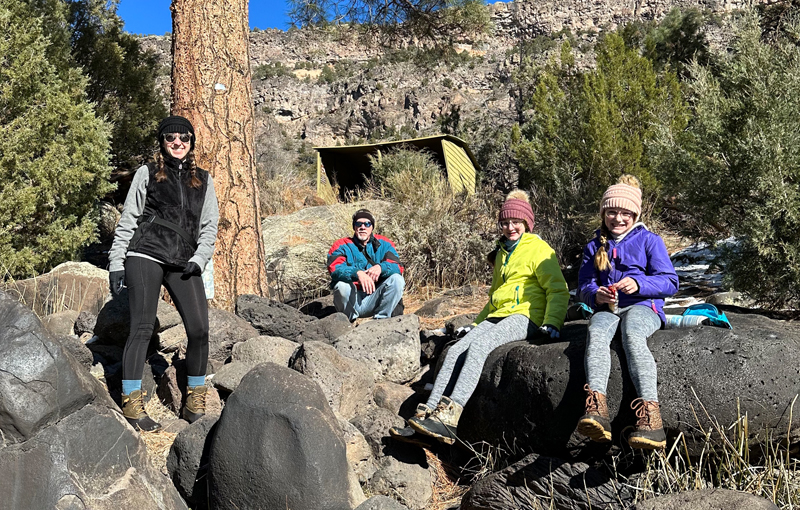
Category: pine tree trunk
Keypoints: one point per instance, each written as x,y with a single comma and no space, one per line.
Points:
211,86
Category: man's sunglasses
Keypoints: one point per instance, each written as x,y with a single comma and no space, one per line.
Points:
184,137
359,224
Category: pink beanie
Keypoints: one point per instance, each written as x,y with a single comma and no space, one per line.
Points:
517,206
622,196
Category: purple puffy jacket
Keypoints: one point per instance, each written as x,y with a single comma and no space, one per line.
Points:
641,255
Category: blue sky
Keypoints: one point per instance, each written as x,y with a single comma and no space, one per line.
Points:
153,17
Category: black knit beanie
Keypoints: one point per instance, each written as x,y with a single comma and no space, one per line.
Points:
363,214
175,124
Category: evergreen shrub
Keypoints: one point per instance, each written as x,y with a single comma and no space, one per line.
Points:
54,151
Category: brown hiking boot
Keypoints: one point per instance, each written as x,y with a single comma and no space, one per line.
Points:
649,434
442,423
595,423
133,411
195,406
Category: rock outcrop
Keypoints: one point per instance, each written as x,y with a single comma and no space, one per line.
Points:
58,425
278,444
707,376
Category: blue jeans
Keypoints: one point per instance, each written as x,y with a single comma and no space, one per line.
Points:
379,305
637,323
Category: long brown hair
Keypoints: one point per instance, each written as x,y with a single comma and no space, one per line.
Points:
161,175
601,261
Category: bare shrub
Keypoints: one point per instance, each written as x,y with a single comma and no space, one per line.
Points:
442,238
286,178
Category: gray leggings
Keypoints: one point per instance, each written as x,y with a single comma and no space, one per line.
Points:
471,352
638,323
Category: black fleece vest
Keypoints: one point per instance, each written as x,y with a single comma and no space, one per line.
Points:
173,200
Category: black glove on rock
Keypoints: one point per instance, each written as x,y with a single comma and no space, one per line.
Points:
116,279
192,269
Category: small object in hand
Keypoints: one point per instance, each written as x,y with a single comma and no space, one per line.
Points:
192,269
614,305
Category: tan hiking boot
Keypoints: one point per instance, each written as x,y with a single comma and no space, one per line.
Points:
133,411
442,423
595,423
649,434
195,406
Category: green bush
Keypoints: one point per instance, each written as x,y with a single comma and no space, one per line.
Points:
737,165
270,70
442,238
53,151
585,129
87,35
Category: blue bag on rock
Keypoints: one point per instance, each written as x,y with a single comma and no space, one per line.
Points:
709,311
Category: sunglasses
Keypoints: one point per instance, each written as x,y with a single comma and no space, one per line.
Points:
359,224
184,137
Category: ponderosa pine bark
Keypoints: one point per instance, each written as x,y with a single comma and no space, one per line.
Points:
211,86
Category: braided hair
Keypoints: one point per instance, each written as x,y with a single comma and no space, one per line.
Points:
161,175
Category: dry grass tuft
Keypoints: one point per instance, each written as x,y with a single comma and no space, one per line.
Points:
447,493
158,443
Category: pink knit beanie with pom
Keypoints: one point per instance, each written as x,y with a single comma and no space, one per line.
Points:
517,206
622,196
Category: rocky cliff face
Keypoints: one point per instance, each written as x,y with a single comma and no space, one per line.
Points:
327,86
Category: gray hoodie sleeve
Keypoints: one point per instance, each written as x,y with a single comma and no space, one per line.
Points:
128,221
209,218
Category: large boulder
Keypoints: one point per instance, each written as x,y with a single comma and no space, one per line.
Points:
69,286
706,499
347,384
63,442
224,331
187,462
60,323
278,445
575,486
91,459
707,376
412,483
272,318
40,383
389,347
265,349
296,262
359,452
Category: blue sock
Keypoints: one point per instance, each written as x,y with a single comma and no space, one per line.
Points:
131,385
195,380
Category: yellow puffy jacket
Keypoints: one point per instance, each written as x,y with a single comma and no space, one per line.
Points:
528,281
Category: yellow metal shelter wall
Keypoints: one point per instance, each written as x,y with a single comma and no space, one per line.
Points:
460,171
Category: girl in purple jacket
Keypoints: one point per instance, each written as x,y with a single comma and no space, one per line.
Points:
625,275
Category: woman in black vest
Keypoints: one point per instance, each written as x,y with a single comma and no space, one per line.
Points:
166,235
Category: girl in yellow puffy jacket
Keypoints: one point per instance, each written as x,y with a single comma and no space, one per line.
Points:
528,295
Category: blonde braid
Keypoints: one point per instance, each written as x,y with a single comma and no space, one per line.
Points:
601,261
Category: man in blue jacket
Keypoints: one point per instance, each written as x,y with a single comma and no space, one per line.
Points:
366,273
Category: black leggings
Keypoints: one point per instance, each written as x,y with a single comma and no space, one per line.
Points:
144,278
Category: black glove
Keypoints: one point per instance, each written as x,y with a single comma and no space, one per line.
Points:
116,279
191,269
463,330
